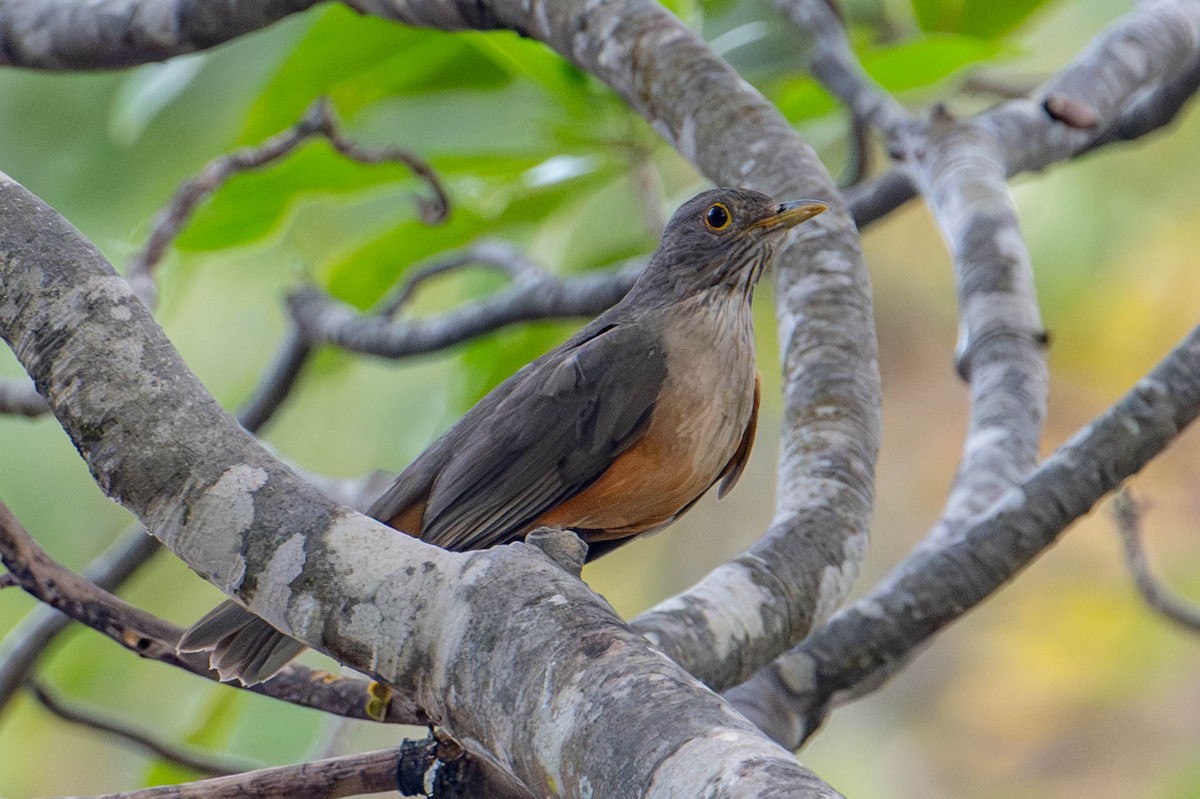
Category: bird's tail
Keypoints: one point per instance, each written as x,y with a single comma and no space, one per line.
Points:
241,646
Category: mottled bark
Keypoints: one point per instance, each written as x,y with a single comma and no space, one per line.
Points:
961,167
934,587
101,34
747,610
504,649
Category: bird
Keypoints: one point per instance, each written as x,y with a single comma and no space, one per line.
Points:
613,434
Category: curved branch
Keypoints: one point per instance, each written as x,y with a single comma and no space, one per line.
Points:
102,34
325,320
833,64
1128,514
150,637
440,626
804,565
318,120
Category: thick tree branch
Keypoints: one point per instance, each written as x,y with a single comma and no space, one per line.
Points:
1001,338
748,610
1127,512
447,628
102,34
934,587
1156,46
153,638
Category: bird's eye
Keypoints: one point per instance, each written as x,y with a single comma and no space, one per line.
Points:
717,217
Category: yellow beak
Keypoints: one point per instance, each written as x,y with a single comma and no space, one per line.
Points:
790,214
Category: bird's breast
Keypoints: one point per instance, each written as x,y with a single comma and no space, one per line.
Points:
696,427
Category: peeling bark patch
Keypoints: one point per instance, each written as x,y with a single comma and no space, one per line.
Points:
284,566
359,549
837,580
677,775
212,533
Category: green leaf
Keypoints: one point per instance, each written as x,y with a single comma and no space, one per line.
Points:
357,60
984,18
917,64
924,62
212,729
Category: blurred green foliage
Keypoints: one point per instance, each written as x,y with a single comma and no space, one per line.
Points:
536,152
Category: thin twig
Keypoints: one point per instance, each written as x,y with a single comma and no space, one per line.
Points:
490,253
328,321
203,763
318,120
155,639
277,382
25,642
1127,511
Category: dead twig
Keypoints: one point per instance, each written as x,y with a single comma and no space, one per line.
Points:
318,120
1127,511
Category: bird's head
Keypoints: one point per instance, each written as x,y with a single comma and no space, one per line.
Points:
723,237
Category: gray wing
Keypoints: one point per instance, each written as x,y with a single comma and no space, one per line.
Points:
541,437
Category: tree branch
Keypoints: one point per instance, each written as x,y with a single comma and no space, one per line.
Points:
204,763
324,320
318,120
102,34
24,643
373,772
834,64
346,584
1158,47
804,565
153,638
1127,512
961,169
934,587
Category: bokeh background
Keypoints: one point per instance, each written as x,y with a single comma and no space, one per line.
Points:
1061,685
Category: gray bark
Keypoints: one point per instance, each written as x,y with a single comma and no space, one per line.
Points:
445,628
